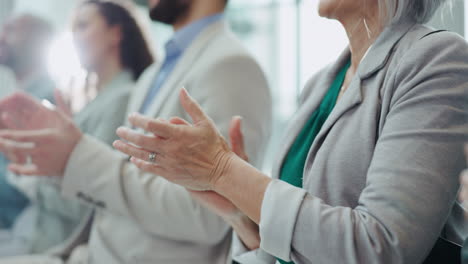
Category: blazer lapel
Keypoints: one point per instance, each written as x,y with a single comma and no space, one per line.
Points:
350,99
141,89
184,65
312,102
374,61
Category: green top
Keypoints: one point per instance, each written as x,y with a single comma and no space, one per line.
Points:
293,167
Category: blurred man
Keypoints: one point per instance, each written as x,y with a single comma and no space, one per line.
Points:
23,42
140,217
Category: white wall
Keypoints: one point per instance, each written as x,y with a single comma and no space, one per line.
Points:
451,17
466,19
56,12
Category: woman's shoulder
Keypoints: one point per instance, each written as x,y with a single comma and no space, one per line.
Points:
425,51
423,44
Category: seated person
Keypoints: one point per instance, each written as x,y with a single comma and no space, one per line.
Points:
139,217
105,35
22,41
367,170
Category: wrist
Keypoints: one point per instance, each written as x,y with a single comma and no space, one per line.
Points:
247,230
226,161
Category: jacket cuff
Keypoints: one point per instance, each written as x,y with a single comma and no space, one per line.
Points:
279,212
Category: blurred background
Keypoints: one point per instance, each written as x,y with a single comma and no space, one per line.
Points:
286,36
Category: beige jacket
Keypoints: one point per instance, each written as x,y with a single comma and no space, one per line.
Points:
142,218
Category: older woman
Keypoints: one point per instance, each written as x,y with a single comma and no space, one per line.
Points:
368,170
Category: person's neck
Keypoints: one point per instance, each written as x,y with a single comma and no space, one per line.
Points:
107,71
362,33
197,12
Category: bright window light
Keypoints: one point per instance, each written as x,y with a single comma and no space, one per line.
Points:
63,64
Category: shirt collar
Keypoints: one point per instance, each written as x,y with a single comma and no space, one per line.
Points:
185,36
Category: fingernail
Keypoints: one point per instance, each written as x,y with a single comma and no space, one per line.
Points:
121,130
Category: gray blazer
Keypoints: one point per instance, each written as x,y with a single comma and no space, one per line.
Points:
382,175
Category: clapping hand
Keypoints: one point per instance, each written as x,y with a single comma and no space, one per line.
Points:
37,133
195,155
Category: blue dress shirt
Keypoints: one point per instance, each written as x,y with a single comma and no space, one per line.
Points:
174,49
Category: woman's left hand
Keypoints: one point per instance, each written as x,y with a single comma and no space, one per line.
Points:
194,155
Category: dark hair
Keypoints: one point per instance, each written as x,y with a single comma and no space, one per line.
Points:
135,53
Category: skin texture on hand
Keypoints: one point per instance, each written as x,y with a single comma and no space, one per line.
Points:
37,133
194,156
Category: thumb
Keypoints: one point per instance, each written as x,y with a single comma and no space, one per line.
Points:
192,108
237,138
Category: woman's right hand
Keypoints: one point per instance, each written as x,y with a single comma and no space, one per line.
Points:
245,228
212,200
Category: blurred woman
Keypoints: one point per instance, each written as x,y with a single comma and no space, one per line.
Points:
112,47
367,172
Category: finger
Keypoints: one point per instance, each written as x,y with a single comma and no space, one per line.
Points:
132,151
157,127
237,138
153,168
60,102
17,152
22,169
152,143
16,101
20,103
192,107
179,121
34,136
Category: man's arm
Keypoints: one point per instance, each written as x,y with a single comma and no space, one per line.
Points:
102,176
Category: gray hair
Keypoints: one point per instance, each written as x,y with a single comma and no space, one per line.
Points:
420,11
